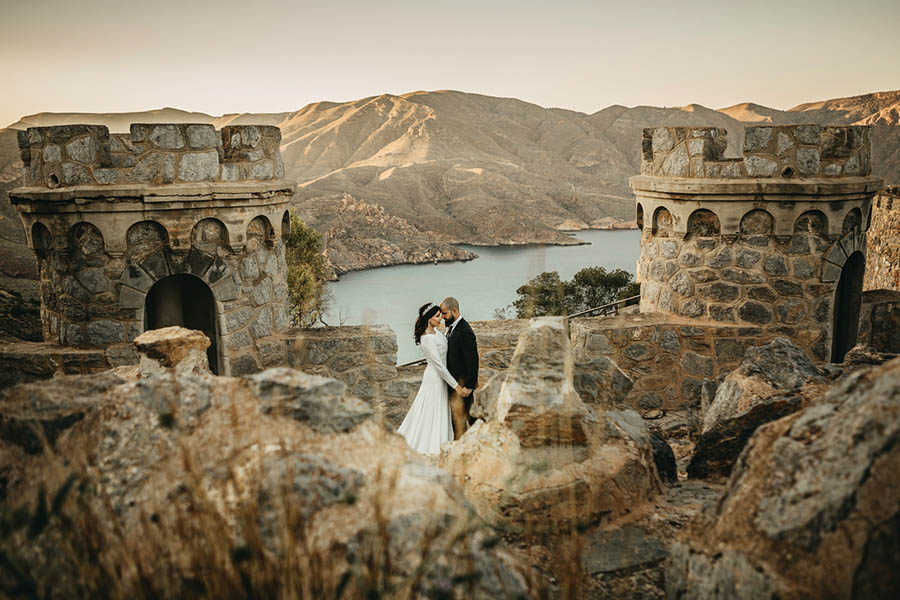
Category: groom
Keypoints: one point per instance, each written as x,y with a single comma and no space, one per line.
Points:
462,362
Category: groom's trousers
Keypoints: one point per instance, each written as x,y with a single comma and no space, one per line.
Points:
458,414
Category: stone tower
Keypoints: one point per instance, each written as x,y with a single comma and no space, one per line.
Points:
775,239
168,224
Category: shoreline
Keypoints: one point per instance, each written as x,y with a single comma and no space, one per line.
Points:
340,273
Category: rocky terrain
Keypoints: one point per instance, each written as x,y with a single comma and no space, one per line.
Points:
357,235
285,478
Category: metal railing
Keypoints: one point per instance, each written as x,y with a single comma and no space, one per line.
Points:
612,307
606,309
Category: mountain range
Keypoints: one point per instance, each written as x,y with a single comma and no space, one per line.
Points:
456,167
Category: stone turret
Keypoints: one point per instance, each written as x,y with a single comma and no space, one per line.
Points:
775,238
171,224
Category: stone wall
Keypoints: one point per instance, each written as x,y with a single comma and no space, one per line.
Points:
883,262
879,320
75,155
365,357
667,357
769,151
755,279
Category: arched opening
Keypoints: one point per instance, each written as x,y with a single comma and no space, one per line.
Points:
662,222
146,233
812,221
285,226
259,233
639,218
847,300
757,222
41,240
703,223
852,221
209,235
187,301
86,239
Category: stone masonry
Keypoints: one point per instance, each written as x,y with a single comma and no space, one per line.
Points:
883,268
757,241
112,215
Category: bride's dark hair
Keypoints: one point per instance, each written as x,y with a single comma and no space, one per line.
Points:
426,311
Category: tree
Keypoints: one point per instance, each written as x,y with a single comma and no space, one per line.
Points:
591,287
306,274
543,295
595,286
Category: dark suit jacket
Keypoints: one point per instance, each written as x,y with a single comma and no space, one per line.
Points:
462,355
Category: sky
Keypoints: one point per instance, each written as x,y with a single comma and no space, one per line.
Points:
230,56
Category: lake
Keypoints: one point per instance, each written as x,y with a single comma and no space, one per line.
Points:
393,295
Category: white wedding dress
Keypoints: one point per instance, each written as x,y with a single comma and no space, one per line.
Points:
427,425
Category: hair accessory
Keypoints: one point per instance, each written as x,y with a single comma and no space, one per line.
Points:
429,307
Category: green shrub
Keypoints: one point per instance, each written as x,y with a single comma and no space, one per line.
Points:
306,274
591,287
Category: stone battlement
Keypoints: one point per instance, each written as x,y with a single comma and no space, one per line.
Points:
770,151
152,154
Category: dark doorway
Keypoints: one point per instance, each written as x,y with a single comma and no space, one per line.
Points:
187,301
847,299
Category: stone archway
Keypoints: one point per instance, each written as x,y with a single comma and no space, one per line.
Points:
847,300
183,300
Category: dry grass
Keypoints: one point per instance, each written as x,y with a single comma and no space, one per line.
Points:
69,541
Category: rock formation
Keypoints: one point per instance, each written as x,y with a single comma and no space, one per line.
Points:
765,387
283,475
811,509
357,235
547,458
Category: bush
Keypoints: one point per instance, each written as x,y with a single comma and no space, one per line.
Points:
306,274
591,287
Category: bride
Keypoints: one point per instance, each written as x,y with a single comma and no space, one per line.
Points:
427,424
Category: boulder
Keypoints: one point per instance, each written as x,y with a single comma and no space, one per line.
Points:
485,405
259,481
321,403
35,414
765,387
812,506
169,346
548,458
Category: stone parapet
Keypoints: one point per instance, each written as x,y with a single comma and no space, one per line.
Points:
76,155
363,357
668,358
783,151
883,264
25,362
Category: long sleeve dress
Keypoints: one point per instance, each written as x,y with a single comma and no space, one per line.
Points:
427,425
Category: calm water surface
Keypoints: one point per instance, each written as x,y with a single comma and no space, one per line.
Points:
393,295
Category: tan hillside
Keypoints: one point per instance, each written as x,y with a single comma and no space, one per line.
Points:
748,112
